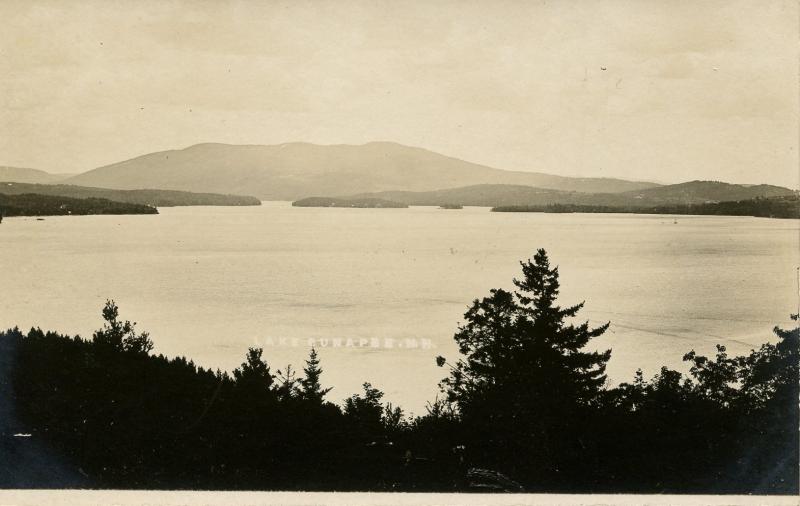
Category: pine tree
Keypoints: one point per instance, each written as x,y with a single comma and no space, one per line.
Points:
311,387
288,384
524,377
520,344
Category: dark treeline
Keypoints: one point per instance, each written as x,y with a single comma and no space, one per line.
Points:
525,406
30,204
762,207
348,202
153,198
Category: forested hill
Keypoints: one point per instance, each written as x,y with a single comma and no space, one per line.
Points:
772,207
30,204
494,195
154,198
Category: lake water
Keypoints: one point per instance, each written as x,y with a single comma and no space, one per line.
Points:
207,282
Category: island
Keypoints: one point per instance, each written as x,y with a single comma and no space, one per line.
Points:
451,206
348,202
31,204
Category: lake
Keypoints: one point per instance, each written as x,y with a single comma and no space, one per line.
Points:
381,291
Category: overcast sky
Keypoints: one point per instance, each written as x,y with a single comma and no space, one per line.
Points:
657,90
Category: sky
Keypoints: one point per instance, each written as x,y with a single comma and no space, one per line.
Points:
661,90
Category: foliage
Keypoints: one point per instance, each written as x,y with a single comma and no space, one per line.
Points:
119,335
311,387
525,405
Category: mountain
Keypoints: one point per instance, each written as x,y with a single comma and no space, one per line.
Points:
296,170
25,175
159,198
694,192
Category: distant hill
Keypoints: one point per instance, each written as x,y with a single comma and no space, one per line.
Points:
296,170
485,195
762,207
25,175
157,198
336,202
30,204
698,192
695,192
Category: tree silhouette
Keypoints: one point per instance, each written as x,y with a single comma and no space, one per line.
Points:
519,346
370,416
119,335
288,384
311,387
524,377
254,372
773,371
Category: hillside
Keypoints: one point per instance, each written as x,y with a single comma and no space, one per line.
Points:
25,175
762,207
30,204
707,191
296,170
695,192
484,195
157,198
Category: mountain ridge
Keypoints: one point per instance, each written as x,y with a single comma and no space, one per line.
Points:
494,195
29,175
290,171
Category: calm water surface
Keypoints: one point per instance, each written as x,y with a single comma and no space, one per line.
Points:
208,282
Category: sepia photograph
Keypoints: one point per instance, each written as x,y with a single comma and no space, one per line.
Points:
399,252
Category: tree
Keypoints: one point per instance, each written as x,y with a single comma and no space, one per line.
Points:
254,372
370,416
119,335
524,376
717,380
766,377
733,422
519,345
367,408
288,386
311,387
772,373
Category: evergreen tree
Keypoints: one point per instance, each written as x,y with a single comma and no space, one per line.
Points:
288,386
524,379
254,371
311,387
519,345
